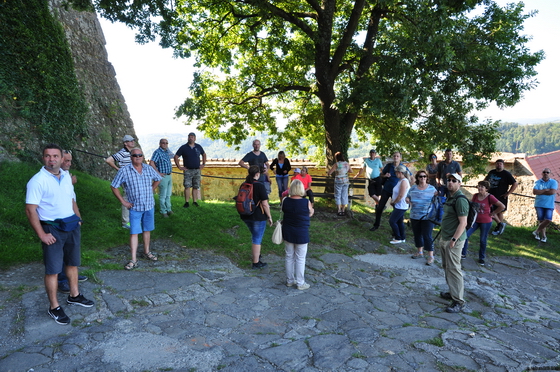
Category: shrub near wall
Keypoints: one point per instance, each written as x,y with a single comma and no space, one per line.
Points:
41,100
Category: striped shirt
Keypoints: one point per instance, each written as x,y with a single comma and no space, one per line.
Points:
162,159
138,186
420,201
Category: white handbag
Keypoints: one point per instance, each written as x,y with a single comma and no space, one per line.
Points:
277,234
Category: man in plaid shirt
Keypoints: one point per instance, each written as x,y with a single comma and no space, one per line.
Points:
139,181
161,162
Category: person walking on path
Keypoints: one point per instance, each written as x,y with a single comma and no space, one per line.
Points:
445,167
122,158
545,191
400,206
502,185
161,162
256,222
419,197
140,182
451,241
488,207
391,180
54,215
191,153
372,169
341,183
295,231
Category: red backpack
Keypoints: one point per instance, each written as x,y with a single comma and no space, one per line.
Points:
244,200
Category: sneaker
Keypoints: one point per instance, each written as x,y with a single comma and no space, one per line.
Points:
445,295
288,284
170,213
303,287
165,215
456,307
463,256
417,255
64,287
259,265
496,230
543,239
126,225
502,228
374,228
396,241
196,204
536,235
186,205
59,316
481,262
82,278
79,300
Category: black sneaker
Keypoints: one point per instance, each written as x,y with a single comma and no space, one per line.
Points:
374,228
64,287
186,205
79,300
196,204
496,229
59,316
463,257
259,265
445,295
82,278
481,262
502,228
456,307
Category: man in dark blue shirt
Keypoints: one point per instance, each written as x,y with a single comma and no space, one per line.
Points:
191,153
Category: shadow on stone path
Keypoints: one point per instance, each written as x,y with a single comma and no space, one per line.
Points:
367,313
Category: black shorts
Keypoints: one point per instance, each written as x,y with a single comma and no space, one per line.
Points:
375,186
65,251
504,201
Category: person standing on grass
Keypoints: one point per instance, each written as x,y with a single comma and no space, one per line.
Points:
400,205
445,167
545,191
341,183
489,206
63,285
122,158
502,185
282,171
372,169
451,241
191,153
256,157
256,222
161,162
50,198
140,182
295,231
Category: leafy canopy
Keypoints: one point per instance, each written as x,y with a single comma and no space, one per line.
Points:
403,73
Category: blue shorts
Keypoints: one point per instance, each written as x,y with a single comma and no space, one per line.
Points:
257,230
544,213
65,251
141,221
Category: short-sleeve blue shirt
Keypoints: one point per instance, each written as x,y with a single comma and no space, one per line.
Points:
191,155
138,186
545,201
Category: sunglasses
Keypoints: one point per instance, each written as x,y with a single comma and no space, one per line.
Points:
452,180
137,155
164,143
423,176
546,172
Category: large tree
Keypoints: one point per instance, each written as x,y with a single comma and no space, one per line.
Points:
403,73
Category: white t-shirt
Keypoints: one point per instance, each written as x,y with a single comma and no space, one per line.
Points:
52,195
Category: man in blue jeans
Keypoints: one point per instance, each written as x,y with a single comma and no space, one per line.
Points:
545,191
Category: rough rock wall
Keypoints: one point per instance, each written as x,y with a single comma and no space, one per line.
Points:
109,119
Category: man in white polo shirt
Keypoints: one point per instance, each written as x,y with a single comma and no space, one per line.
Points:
54,215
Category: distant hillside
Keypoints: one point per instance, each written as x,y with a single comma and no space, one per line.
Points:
529,139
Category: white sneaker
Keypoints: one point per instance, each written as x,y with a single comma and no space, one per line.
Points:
543,239
303,287
536,235
395,241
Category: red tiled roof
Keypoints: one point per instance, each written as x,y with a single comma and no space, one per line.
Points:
549,160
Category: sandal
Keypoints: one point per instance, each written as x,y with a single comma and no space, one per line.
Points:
131,265
429,261
149,256
417,255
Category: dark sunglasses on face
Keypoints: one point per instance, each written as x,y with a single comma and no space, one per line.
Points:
136,155
452,180
164,143
423,176
546,172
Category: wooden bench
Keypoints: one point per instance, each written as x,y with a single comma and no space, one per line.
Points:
328,182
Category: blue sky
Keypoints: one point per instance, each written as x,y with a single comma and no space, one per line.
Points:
154,83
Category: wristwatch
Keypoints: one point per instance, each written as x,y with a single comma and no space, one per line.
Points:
453,239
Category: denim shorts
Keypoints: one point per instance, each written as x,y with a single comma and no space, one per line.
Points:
66,249
544,213
141,221
257,230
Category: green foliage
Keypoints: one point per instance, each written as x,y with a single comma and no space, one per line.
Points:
37,78
404,74
530,139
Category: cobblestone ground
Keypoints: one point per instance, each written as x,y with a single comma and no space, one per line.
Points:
369,312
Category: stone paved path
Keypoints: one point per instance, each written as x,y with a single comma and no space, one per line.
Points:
366,313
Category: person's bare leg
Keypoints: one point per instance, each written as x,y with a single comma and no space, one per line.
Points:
133,246
146,238
196,194
187,194
51,286
72,274
256,250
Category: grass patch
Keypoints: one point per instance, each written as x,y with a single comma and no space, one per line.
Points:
436,341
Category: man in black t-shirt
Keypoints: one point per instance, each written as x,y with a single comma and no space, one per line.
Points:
502,185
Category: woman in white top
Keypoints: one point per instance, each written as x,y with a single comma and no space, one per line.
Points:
396,220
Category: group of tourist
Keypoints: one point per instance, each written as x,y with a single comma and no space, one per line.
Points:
55,217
